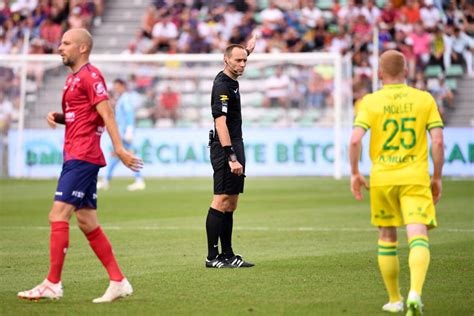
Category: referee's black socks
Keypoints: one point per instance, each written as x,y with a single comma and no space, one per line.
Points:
226,234
214,223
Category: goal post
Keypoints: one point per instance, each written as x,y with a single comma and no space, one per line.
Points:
318,96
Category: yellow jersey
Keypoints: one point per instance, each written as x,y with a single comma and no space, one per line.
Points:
399,117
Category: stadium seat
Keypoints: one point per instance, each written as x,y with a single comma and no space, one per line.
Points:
433,71
452,83
145,123
185,123
252,73
324,4
454,71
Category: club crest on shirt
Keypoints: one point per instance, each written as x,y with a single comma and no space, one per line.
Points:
99,88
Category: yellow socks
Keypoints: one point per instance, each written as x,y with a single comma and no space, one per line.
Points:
418,260
390,268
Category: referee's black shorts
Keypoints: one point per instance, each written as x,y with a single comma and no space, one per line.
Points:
225,182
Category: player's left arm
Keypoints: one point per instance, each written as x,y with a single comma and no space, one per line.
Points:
437,154
129,160
355,147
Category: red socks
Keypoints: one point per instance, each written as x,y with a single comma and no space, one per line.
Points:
58,244
103,250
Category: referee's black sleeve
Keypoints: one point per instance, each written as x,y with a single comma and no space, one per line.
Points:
220,100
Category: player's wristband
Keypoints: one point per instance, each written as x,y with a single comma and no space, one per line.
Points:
59,118
247,51
229,152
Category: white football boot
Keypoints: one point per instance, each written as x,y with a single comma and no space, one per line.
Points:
414,304
103,185
394,307
46,289
115,291
138,185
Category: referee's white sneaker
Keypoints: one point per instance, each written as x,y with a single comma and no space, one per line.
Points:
46,289
115,291
138,185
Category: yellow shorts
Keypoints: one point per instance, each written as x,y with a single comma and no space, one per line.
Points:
402,204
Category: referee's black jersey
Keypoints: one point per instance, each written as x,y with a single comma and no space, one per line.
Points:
225,100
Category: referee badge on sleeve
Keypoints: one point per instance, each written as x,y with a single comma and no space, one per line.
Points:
224,98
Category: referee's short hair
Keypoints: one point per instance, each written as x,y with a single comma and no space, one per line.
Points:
230,48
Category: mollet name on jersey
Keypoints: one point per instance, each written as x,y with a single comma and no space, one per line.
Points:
397,159
398,108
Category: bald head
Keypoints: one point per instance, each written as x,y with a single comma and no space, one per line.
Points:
75,48
392,65
81,37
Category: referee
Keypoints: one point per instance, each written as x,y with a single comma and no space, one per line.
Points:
227,158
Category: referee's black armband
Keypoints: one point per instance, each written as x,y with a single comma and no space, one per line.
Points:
229,152
59,118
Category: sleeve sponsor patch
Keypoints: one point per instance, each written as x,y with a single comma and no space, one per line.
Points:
224,98
99,88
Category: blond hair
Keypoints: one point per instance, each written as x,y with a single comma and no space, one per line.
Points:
392,64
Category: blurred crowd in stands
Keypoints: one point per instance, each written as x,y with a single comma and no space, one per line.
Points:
430,33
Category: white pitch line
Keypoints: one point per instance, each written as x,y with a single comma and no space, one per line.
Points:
257,228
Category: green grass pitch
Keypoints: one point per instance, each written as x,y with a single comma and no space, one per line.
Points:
314,249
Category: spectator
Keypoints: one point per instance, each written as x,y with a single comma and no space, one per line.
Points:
75,20
164,32
339,43
316,91
371,12
348,13
51,33
293,42
468,18
5,43
402,25
141,44
444,94
310,14
430,15
149,19
273,16
461,48
411,11
452,16
421,41
388,16
438,48
276,90
232,17
168,105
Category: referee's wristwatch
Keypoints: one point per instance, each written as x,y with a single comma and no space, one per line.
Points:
229,151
